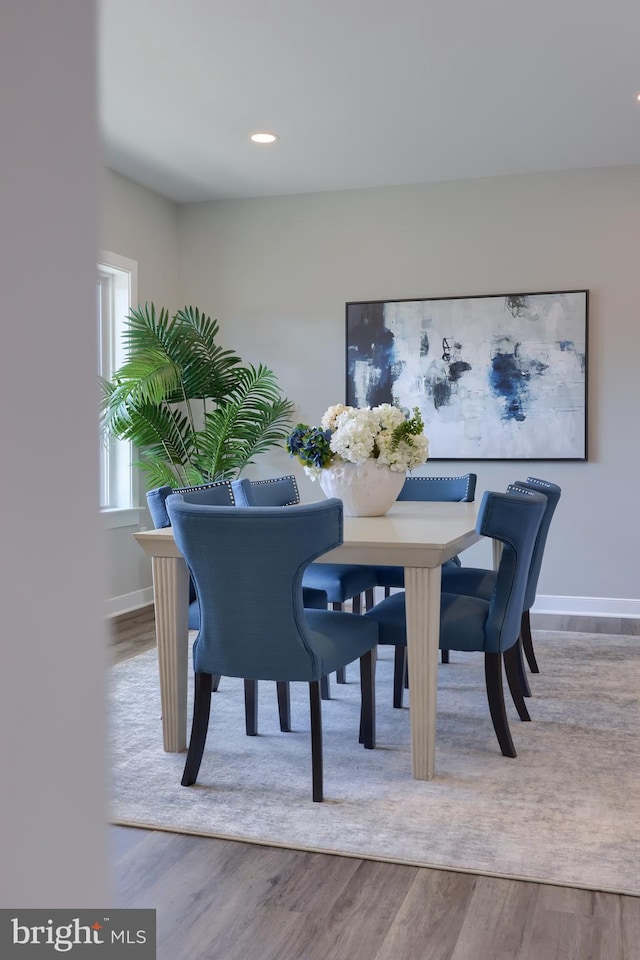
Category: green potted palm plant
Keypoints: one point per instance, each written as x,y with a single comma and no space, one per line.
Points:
193,410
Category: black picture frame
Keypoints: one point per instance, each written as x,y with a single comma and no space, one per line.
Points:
495,376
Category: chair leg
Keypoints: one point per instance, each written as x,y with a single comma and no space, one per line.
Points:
199,726
368,699
356,606
315,702
527,642
511,667
284,705
215,682
495,696
444,656
399,674
387,592
522,673
369,599
341,676
325,688
251,707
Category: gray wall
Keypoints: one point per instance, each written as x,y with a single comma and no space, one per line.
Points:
140,224
277,273
52,701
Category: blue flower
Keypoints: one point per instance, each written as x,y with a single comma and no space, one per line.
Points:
310,445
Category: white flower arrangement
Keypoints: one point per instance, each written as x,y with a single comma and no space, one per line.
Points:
356,434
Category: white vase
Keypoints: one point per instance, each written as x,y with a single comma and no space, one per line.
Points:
366,489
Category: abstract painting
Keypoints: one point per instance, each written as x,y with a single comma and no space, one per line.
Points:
495,377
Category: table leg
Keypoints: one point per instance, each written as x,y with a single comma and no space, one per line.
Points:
171,593
422,598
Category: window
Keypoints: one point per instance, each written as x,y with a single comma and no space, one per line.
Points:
116,291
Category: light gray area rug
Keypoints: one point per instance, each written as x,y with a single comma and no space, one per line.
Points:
566,811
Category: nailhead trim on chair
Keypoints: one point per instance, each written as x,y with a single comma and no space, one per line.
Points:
514,488
208,486
460,476
537,483
290,476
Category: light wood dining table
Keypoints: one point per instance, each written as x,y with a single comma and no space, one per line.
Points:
419,536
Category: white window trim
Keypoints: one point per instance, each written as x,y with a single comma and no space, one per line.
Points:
114,517
126,293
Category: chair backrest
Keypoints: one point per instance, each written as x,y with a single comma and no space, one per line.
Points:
552,492
275,492
218,493
270,549
513,518
462,488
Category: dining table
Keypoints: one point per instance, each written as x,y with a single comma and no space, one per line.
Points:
417,535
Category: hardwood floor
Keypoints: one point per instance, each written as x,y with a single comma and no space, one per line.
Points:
223,900
131,634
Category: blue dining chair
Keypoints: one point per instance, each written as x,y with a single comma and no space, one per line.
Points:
339,582
470,623
220,493
478,582
275,637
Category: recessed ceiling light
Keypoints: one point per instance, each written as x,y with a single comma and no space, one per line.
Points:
263,137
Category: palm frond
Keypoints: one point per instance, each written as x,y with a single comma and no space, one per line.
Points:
173,364
158,473
251,421
221,453
148,377
162,429
209,370
144,330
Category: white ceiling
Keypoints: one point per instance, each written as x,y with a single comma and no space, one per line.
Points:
363,93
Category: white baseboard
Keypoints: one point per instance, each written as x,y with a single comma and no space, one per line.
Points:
588,607
128,602
567,606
